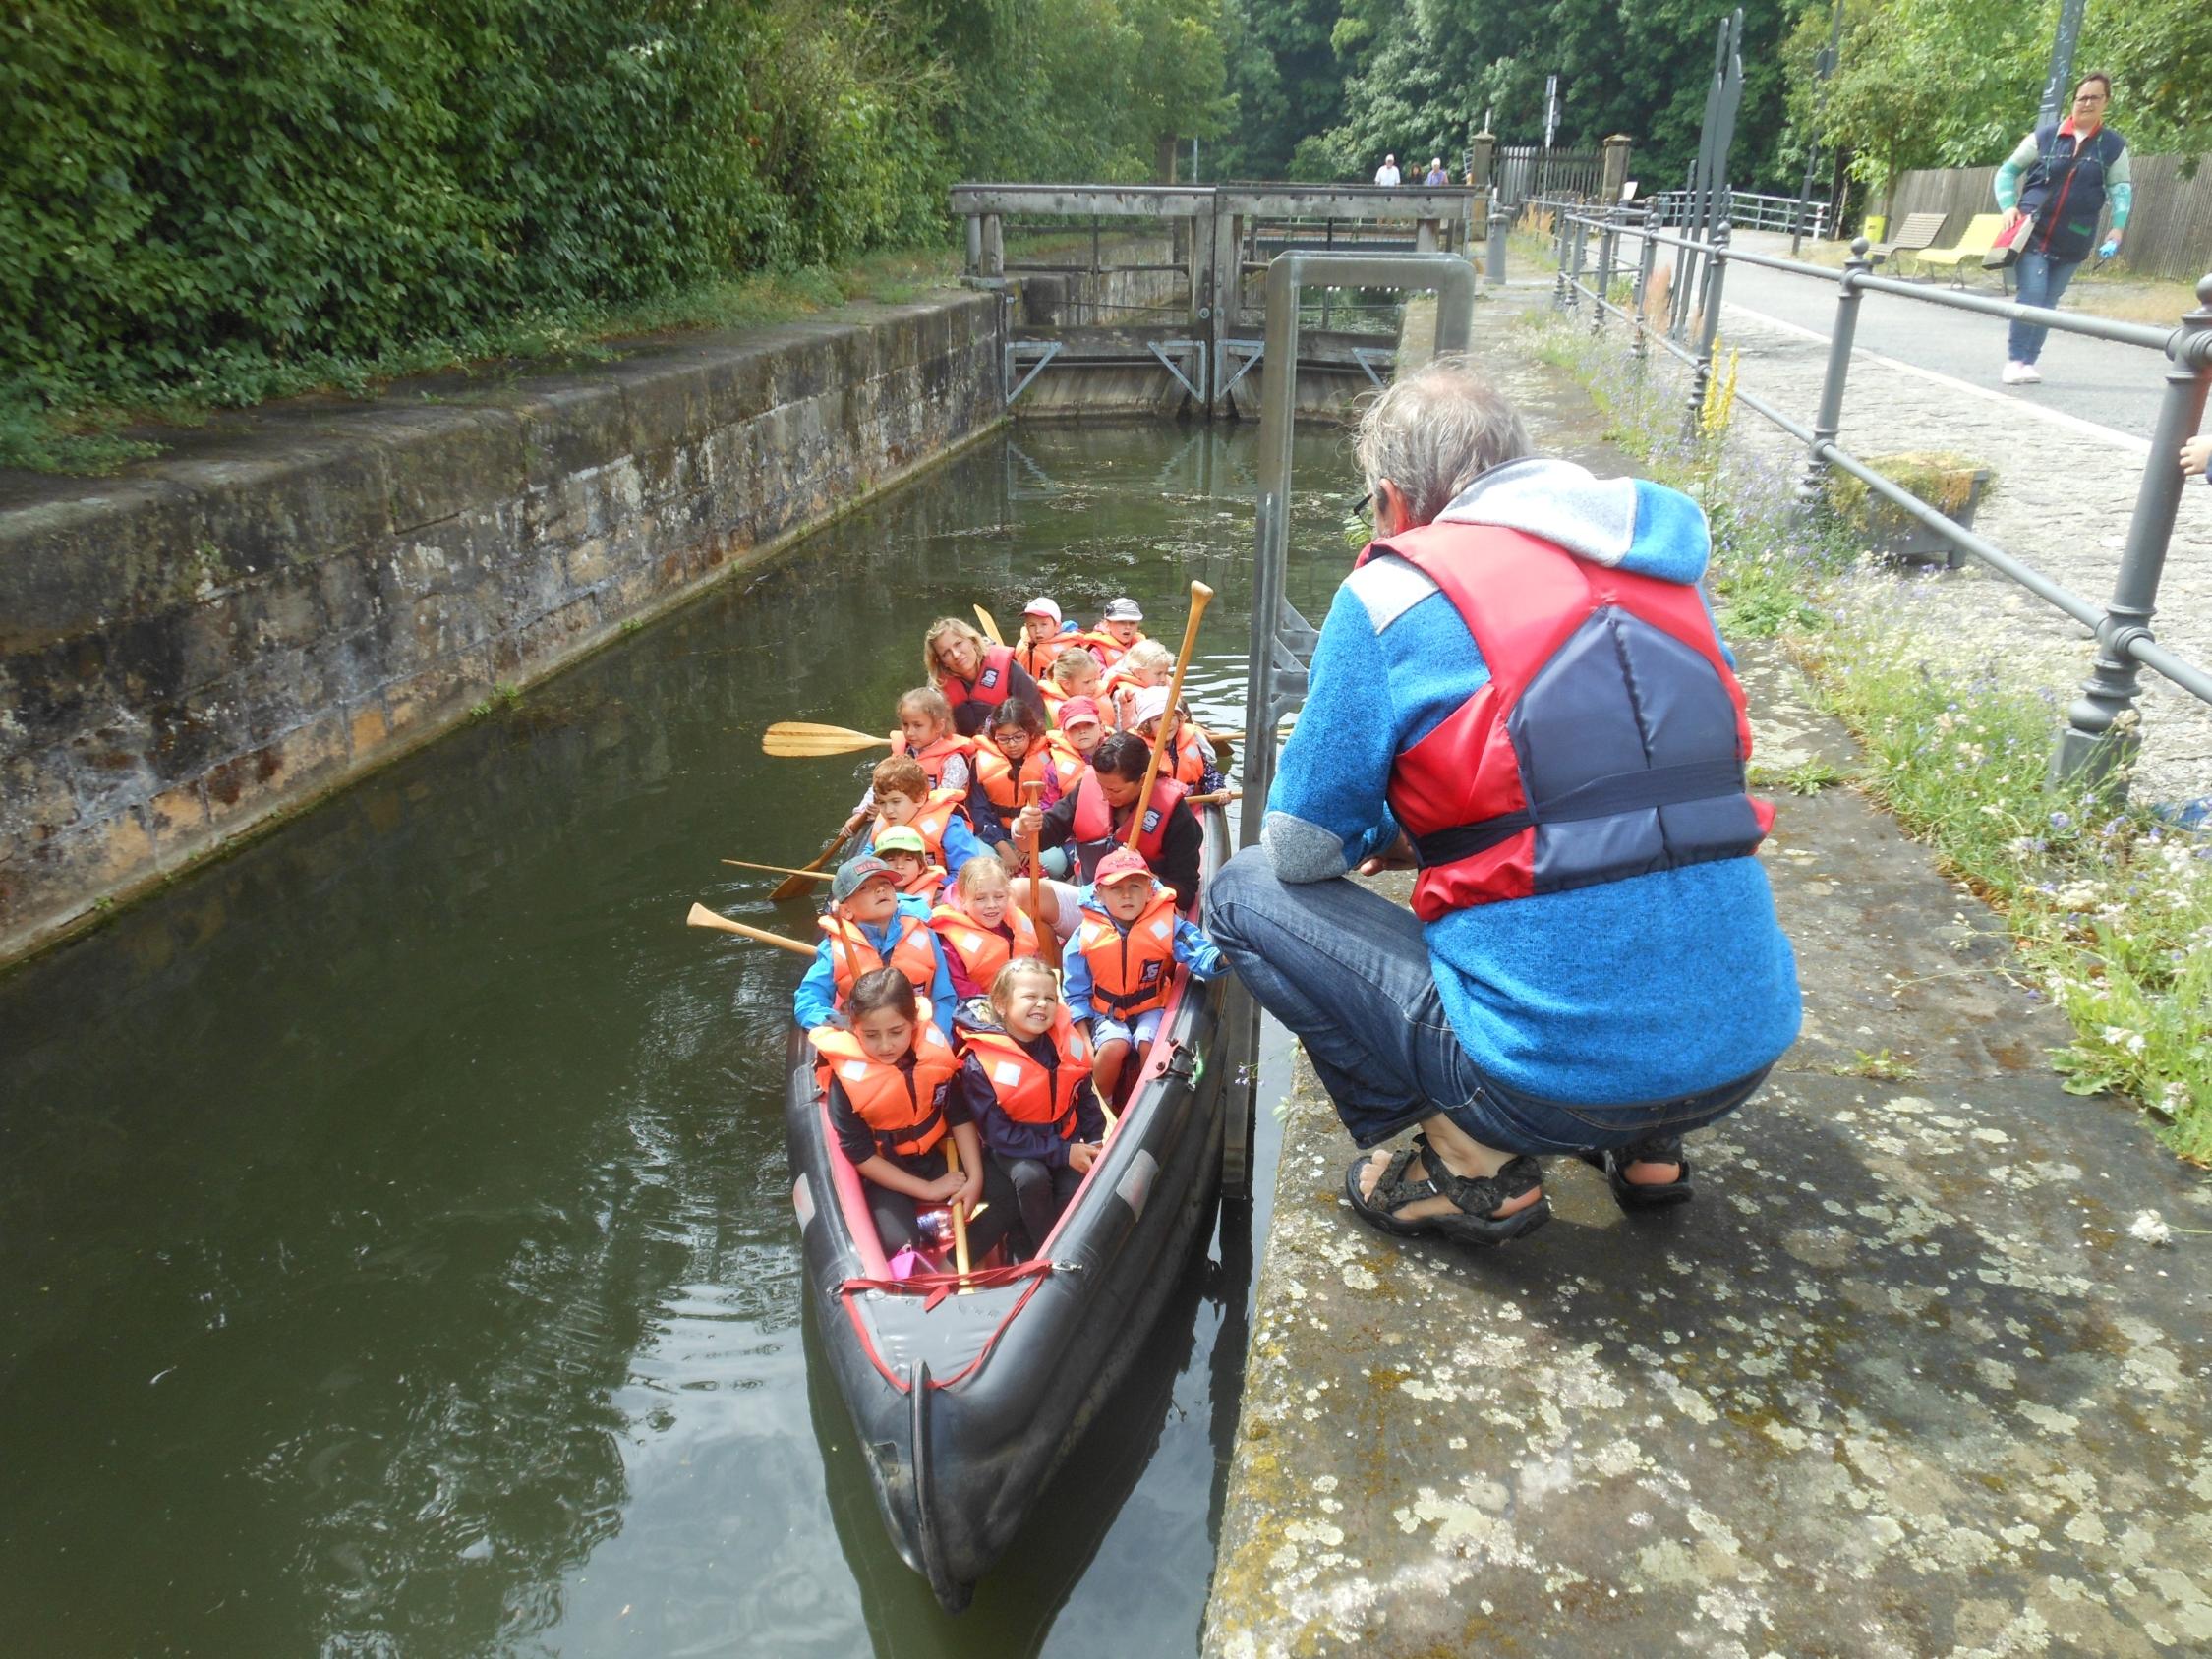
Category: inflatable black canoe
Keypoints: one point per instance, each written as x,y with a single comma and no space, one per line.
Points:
964,1403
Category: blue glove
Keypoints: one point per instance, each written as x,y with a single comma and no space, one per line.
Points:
2110,247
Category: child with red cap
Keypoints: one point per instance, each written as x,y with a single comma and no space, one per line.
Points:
1128,944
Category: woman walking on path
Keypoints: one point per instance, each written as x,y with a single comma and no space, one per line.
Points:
2061,176
1518,688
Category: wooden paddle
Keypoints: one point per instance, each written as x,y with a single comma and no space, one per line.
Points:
1201,596
960,1216
702,917
805,737
784,870
990,628
799,886
1048,941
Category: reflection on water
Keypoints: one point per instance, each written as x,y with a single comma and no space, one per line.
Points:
395,1244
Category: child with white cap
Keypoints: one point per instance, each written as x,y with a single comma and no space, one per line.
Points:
1041,638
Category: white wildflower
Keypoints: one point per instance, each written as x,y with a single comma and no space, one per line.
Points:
2150,1226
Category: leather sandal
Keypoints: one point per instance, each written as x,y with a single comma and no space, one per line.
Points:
1475,1199
1636,1195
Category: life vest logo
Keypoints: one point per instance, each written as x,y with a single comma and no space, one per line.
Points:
1152,973
990,679
1151,819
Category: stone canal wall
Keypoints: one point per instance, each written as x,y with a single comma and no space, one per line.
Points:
278,605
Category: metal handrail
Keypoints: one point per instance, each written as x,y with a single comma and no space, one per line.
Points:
2097,737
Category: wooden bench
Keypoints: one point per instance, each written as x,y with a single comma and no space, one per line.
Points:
1920,231
1980,238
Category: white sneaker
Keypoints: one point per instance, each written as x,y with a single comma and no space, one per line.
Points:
2022,374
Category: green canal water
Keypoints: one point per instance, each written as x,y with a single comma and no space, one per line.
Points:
396,1253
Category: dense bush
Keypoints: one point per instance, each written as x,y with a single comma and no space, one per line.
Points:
203,196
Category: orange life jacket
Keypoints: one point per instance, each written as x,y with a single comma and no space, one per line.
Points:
983,951
1035,656
1193,755
1027,1092
1002,782
1067,762
929,823
914,953
1129,971
1103,645
1093,830
926,882
933,755
899,1102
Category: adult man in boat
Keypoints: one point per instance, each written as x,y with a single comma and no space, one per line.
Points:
1519,689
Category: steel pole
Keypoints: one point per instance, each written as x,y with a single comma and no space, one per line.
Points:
2058,83
1825,68
2099,735
1708,330
1606,234
1496,252
1647,256
1811,485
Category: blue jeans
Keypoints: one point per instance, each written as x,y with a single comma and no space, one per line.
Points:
2042,280
1348,972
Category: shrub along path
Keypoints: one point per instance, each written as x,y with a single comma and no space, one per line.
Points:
1915,1375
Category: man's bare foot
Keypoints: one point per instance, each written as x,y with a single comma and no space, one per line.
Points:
1428,1208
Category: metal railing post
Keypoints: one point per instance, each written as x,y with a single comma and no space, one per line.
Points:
1558,260
1496,274
2099,737
1708,330
1575,244
1606,234
1646,255
1812,483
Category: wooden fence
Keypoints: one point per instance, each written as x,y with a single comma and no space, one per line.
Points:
2168,228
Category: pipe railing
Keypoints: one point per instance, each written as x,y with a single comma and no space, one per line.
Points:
2098,735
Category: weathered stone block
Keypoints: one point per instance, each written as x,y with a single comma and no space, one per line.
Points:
464,460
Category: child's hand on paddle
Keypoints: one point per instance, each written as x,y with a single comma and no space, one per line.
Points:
949,1186
970,1193
1028,822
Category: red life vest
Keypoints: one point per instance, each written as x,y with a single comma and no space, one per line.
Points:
1002,783
992,680
933,755
1610,742
926,882
898,1102
914,953
1092,829
983,951
1027,1092
1129,972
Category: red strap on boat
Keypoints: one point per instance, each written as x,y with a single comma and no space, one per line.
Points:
938,1285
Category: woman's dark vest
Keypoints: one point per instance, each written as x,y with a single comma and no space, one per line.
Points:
2065,191
1609,742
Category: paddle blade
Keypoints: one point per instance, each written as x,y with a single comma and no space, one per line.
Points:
990,628
806,738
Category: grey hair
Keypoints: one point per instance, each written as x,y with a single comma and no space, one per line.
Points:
1436,430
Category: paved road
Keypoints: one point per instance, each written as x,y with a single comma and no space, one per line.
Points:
2107,386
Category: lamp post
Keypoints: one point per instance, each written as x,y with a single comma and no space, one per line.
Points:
2060,82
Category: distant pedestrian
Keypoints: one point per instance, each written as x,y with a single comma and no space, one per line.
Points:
1437,173
2060,177
1387,173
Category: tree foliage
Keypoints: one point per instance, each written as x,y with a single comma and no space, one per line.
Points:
207,195
1956,83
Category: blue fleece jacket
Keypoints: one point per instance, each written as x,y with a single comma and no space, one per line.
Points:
1643,988
1193,951
815,1002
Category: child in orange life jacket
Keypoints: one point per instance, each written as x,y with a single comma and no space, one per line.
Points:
869,927
1191,763
1016,753
1041,638
1127,947
1148,664
926,733
1119,629
904,799
1082,730
901,847
1028,1085
979,929
1075,673
890,1085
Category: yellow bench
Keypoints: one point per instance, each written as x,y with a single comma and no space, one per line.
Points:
1981,236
